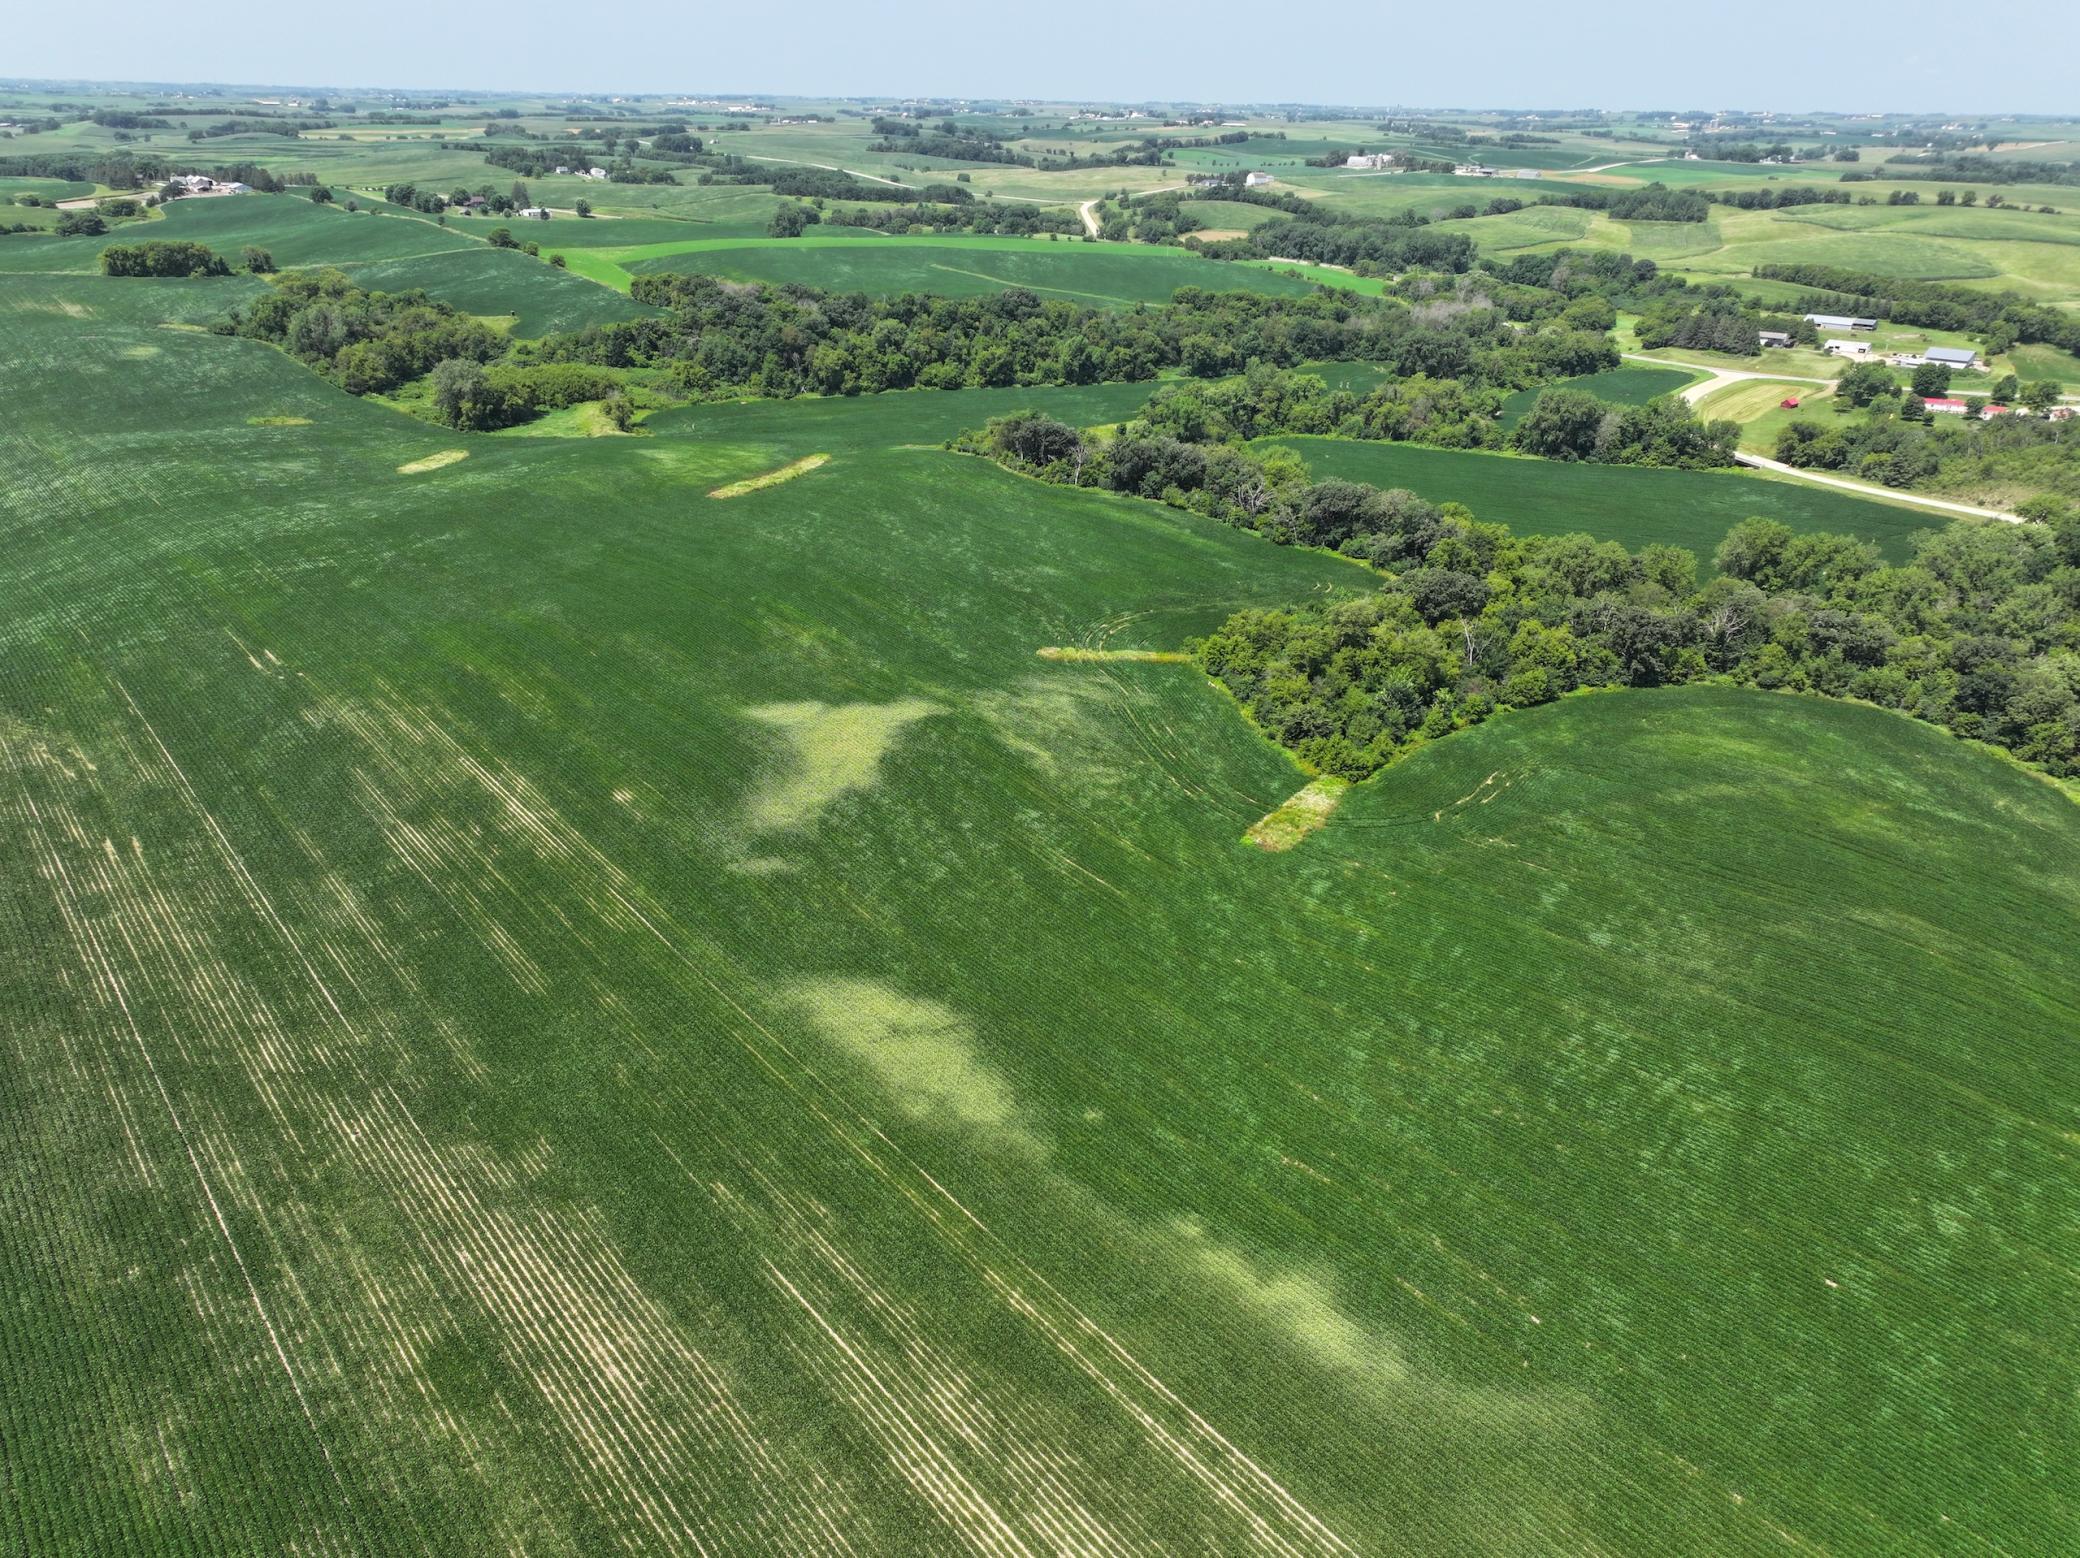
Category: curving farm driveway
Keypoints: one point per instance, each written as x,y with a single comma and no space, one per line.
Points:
1864,489
1720,377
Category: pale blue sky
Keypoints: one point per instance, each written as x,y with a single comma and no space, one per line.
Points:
1853,55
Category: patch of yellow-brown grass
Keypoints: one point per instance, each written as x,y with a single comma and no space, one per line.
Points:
1307,809
801,467
432,462
1146,656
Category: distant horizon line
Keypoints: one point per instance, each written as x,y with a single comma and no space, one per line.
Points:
42,83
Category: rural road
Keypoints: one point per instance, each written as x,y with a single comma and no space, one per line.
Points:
1724,376
1605,167
1869,490
796,162
1089,212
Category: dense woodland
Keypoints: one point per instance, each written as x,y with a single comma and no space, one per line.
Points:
165,257
365,342
1979,632
1946,452
960,216
718,337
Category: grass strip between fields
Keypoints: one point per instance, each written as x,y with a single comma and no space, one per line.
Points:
1144,656
801,467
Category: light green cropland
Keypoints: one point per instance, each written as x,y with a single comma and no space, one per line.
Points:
545,1013
831,752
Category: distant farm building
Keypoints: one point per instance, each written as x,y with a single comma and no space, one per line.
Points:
1256,180
203,184
1779,338
1951,356
1847,348
1474,170
1788,403
1946,405
1841,322
535,213
1380,161
2062,413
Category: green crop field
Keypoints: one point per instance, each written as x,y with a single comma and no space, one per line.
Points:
501,282
1105,275
1526,229
292,229
676,992
2046,362
905,418
1634,505
1633,384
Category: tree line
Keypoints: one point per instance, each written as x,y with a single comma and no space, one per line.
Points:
365,342
717,338
1915,449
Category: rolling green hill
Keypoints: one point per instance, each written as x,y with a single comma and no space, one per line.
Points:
292,229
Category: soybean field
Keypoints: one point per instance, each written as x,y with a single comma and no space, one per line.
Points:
575,994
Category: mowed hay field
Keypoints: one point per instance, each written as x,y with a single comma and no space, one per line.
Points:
1631,504
549,1011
